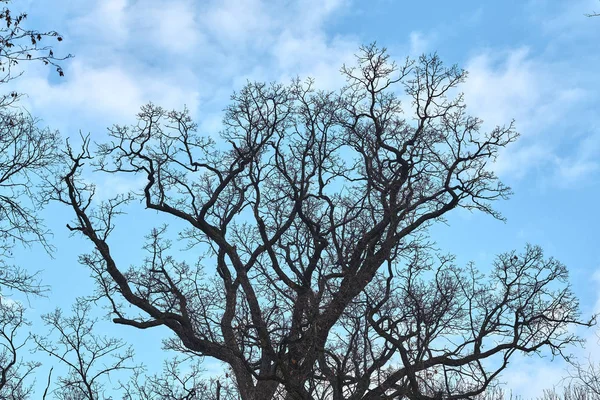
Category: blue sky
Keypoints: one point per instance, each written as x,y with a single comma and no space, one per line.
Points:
531,60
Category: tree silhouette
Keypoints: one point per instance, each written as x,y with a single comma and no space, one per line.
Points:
586,375
318,280
18,44
27,152
14,371
178,381
90,358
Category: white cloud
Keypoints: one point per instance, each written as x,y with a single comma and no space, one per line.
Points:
173,27
105,23
111,185
565,20
238,21
541,96
528,377
111,95
572,171
518,162
500,88
117,25
314,56
108,90
131,52
8,303
419,43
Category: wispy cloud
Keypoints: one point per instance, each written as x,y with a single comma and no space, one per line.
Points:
542,96
129,53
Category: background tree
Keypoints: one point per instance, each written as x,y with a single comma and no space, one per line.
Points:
90,358
26,152
586,375
179,380
14,371
19,43
313,210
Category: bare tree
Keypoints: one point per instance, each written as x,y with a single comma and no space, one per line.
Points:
313,211
587,375
26,151
14,371
18,44
179,380
569,392
26,154
90,358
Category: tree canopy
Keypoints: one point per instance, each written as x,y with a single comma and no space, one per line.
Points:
307,267
317,280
